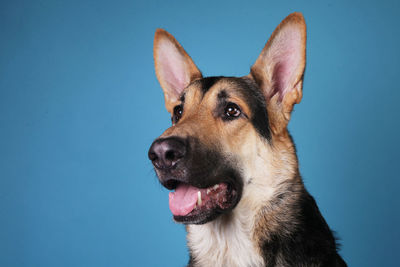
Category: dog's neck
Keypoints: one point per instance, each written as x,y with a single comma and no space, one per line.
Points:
226,241
238,238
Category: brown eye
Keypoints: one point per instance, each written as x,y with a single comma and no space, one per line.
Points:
178,110
232,111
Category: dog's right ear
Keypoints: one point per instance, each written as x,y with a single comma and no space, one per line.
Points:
175,69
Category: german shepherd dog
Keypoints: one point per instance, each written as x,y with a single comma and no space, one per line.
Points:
232,162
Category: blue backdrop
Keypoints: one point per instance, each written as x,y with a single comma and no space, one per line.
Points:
80,105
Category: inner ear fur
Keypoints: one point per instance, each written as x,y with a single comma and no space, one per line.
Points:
279,69
175,69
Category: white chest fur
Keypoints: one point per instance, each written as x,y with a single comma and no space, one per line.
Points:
224,242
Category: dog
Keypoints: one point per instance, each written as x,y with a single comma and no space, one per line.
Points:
232,162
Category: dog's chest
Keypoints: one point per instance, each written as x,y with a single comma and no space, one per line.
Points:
223,243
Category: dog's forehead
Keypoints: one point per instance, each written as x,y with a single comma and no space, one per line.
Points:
225,86
238,89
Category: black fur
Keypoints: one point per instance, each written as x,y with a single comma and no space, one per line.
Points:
256,101
307,239
208,82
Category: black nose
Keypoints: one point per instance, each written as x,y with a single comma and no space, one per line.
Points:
166,152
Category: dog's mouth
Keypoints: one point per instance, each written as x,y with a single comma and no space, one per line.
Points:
191,204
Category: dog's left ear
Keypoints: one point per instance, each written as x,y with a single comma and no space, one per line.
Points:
174,68
279,69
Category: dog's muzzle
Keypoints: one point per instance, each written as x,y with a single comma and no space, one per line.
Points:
205,184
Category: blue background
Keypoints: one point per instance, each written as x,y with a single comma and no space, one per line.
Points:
80,105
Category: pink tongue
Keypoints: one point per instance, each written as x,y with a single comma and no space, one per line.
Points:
183,200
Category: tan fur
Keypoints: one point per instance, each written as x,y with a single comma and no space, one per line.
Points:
199,121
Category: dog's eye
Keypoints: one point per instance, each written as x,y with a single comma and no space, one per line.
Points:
178,110
232,111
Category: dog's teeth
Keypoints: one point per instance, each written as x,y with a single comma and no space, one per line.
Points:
215,186
198,198
208,191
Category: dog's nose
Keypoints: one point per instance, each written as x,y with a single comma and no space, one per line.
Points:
165,153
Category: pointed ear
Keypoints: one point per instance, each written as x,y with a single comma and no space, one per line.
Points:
280,67
174,68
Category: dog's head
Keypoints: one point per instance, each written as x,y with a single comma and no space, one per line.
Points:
225,129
